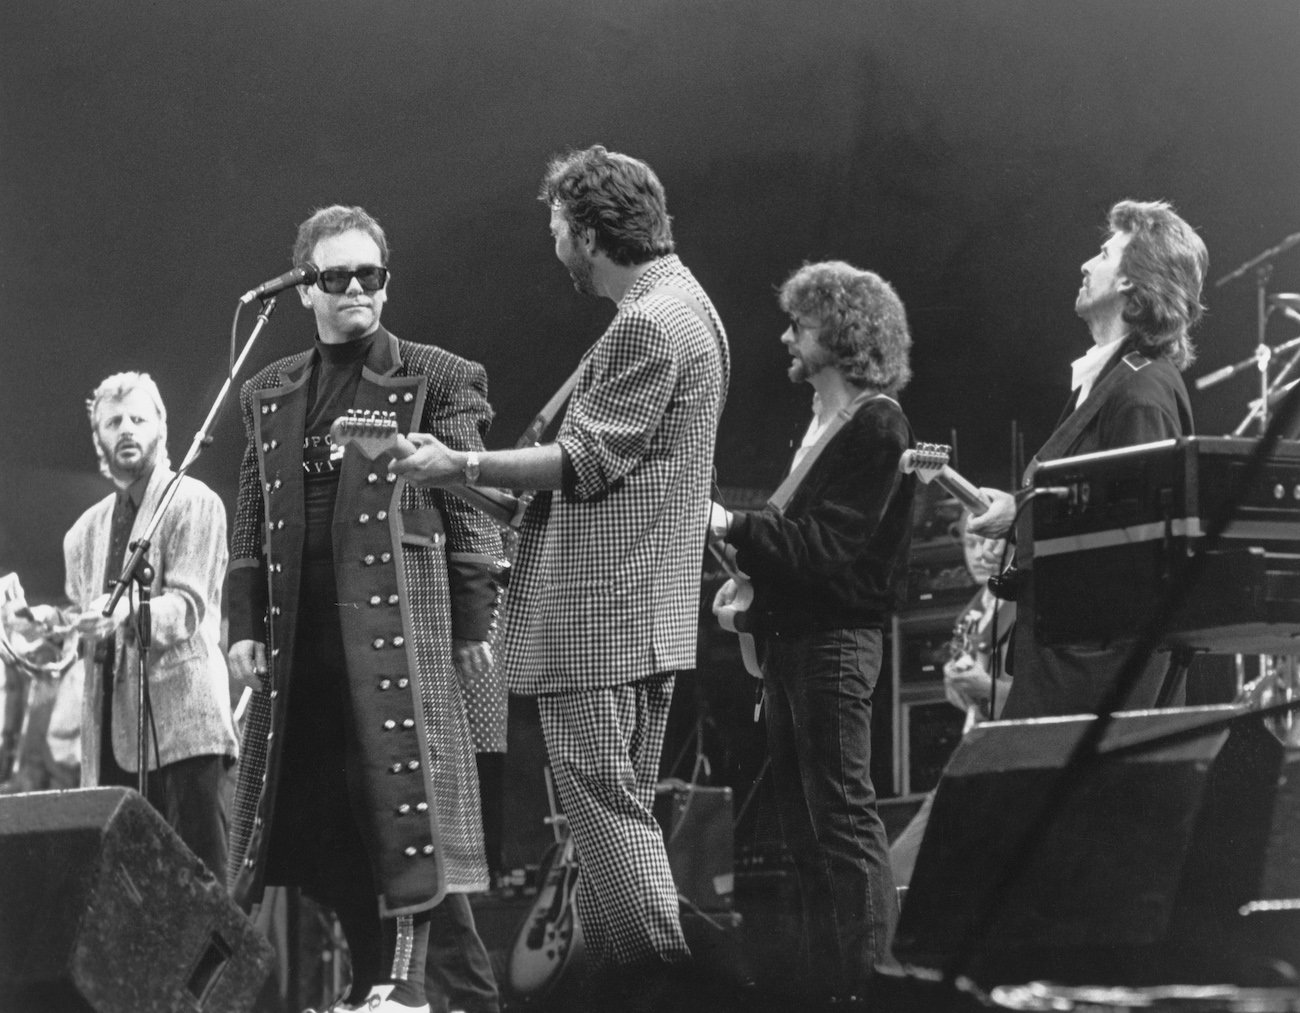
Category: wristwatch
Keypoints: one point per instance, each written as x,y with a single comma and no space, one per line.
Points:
471,468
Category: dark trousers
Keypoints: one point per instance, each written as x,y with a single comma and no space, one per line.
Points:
188,794
819,691
457,971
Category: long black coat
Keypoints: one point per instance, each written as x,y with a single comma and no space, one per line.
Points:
397,552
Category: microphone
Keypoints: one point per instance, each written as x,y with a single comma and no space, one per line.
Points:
1288,303
304,275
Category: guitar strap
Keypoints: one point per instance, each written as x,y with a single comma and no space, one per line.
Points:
552,407
1061,440
786,490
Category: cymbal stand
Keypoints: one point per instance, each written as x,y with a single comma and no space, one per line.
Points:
1263,354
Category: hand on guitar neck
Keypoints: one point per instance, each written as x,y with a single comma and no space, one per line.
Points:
375,433
992,511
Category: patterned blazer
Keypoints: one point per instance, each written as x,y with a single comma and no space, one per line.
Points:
606,586
189,687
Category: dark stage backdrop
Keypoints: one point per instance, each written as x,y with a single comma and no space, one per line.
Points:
155,159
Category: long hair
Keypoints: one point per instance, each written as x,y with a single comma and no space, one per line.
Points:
863,323
114,388
616,196
1165,261
331,221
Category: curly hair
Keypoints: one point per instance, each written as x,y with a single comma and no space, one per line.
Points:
331,221
863,323
616,196
1165,261
115,388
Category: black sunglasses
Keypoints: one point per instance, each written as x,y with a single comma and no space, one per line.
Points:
335,280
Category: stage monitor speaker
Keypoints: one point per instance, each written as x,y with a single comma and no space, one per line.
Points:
104,909
1142,874
700,840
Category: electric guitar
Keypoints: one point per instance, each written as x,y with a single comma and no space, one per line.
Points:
734,616
375,433
549,938
965,644
929,463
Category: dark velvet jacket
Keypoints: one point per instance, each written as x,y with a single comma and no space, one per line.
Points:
836,557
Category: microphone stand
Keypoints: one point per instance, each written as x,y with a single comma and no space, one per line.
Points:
1263,269
138,570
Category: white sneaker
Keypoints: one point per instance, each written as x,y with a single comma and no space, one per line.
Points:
378,1002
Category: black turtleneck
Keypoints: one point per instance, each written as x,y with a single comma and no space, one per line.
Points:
331,391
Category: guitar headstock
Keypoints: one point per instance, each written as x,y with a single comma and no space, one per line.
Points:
925,460
372,432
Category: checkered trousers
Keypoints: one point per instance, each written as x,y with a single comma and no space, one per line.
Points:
604,748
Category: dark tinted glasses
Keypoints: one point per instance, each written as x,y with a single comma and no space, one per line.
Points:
335,280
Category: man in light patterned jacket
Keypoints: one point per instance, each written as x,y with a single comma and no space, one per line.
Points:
603,607
192,740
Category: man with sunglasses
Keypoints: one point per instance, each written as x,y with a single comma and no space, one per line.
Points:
358,606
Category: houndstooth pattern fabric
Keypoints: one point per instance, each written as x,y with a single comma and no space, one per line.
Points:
606,586
604,748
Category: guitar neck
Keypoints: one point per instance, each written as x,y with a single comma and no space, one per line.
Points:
501,506
962,490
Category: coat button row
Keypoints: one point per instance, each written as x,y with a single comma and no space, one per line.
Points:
272,407
270,445
397,768
408,397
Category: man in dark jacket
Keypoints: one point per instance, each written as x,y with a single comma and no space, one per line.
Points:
828,563
1139,297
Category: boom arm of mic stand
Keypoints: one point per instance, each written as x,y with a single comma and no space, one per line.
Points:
1264,257
1225,373
201,439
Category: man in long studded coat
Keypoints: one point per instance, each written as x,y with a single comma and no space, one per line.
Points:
358,605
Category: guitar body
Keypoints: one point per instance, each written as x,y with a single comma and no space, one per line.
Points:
734,618
550,937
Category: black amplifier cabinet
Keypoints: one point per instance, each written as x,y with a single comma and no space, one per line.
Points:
1105,552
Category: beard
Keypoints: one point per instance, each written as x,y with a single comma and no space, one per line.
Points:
580,270
128,471
804,367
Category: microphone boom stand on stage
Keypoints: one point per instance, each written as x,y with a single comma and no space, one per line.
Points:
1262,267
138,571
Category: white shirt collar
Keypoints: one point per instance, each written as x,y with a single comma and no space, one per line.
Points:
1085,369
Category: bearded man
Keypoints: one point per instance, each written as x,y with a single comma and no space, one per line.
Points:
190,735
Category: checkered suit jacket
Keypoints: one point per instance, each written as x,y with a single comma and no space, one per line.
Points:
606,585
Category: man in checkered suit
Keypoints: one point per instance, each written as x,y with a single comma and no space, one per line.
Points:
602,610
